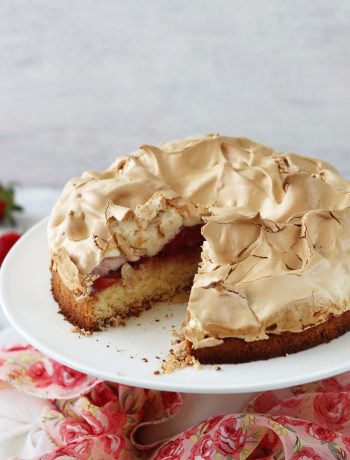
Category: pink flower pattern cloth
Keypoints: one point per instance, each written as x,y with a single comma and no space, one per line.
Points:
88,419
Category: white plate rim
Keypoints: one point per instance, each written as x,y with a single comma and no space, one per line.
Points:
163,382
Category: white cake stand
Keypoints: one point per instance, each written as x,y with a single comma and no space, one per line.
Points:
132,354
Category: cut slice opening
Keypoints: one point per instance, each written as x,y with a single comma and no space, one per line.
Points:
135,286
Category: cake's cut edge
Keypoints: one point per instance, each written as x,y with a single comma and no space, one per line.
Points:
77,313
156,279
235,351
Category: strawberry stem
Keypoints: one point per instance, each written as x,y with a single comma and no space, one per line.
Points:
8,204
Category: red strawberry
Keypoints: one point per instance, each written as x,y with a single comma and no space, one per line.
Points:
6,242
8,204
2,209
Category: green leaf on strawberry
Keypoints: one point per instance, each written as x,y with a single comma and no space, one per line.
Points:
8,204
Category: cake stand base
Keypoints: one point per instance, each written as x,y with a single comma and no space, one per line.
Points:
196,408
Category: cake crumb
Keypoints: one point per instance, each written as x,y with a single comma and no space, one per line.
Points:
178,358
156,372
216,367
145,360
81,331
117,322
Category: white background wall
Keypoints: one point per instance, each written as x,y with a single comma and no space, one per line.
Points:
82,81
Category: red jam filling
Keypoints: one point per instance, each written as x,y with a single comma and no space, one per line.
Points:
105,281
187,238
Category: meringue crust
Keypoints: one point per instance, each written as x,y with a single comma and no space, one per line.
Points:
276,227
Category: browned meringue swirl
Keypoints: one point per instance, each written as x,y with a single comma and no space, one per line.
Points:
276,255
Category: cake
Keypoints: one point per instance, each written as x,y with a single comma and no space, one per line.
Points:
260,238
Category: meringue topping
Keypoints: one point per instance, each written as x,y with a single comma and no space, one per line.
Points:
276,255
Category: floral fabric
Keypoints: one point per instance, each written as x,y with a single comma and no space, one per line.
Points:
28,370
88,419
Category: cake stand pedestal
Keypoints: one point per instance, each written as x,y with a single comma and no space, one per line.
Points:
196,408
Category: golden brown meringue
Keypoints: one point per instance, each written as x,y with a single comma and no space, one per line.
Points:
276,255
